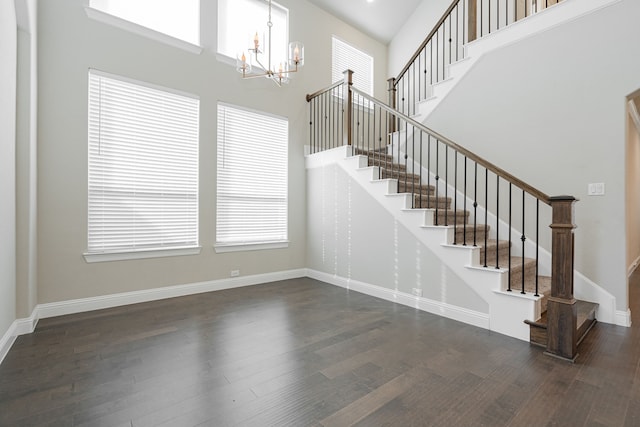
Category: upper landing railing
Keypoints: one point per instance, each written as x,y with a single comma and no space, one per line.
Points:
464,21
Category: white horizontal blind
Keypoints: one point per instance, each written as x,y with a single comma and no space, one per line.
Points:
252,177
240,20
346,57
143,167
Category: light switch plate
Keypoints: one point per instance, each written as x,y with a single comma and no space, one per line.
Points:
596,189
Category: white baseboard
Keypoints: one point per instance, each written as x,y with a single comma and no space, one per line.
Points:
623,318
116,300
460,314
7,340
43,311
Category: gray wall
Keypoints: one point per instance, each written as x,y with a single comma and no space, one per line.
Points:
8,66
69,44
351,236
552,110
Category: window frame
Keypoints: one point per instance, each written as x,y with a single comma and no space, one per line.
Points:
144,252
133,27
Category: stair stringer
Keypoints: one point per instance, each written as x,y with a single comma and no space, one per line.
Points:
507,310
565,11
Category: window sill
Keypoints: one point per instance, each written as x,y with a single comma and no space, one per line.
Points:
143,254
240,247
123,24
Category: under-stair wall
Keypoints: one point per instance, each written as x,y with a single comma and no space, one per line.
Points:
354,242
552,108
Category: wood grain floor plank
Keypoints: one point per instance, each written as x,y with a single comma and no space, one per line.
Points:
303,353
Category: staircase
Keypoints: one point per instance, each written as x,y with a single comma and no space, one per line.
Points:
522,271
460,205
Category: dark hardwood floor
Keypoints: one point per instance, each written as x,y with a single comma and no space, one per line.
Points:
303,353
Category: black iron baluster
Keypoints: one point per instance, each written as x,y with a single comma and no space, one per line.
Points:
437,55
497,221
446,184
429,169
509,278
486,212
523,238
537,241
455,198
457,33
419,85
464,224
481,18
475,204
413,166
420,166
406,146
450,39
437,177
489,31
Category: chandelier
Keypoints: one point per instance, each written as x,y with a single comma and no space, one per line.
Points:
282,74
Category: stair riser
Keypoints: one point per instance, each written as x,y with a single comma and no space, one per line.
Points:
431,203
400,176
444,218
416,189
386,164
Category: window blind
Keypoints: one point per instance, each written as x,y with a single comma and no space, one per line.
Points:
346,57
252,177
143,166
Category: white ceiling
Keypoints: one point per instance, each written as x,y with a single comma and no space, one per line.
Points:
380,19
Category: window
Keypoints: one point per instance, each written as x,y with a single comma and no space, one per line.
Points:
179,19
346,57
143,168
252,179
240,20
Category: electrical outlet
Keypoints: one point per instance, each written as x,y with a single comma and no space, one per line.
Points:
596,189
417,292
235,273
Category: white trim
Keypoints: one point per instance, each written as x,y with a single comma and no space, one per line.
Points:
240,247
144,254
116,300
623,318
439,308
634,265
7,340
140,30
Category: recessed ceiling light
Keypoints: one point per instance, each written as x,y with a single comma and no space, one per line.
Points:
369,1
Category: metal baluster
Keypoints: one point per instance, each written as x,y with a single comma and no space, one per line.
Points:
537,241
413,165
475,204
429,169
509,278
446,184
437,177
455,198
464,224
420,165
497,221
523,238
406,145
486,212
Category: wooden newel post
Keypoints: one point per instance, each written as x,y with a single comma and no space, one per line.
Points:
472,26
347,133
392,102
561,309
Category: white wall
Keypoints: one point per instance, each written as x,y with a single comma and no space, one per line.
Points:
551,109
351,236
26,159
413,33
69,44
8,60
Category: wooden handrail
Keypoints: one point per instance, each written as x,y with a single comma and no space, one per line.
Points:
426,41
470,155
325,90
